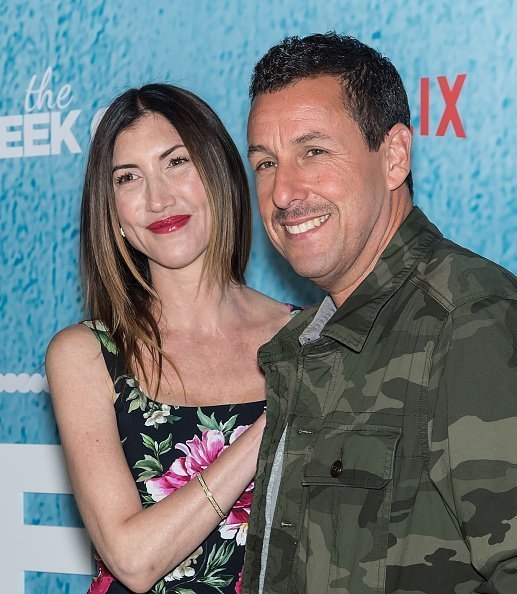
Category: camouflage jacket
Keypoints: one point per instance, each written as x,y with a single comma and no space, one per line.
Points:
399,473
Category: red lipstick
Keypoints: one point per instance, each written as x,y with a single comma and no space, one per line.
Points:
169,224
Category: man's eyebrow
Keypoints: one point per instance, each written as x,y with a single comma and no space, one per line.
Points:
304,139
310,136
257,148
162,156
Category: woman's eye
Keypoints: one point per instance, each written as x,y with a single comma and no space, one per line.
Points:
175,161
125,178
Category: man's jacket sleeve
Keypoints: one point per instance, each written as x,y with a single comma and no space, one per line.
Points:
473,433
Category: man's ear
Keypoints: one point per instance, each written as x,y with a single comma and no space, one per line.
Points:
398,152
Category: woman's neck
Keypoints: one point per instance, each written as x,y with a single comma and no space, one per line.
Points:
188,303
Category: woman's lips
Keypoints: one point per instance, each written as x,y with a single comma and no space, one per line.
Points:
169,224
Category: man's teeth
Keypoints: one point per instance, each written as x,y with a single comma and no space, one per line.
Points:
302,227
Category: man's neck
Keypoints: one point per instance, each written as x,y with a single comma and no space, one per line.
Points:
402,205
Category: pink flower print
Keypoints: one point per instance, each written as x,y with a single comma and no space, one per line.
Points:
238,585
237,432
103,581
236,524
200,453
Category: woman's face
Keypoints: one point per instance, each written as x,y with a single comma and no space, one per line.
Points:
161,202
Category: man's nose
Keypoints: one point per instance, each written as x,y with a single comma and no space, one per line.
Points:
159,194
289,186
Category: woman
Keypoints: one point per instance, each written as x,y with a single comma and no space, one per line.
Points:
153,398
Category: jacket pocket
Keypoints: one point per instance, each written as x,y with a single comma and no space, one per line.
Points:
352,456
347,480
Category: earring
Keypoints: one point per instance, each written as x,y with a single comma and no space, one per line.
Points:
122,232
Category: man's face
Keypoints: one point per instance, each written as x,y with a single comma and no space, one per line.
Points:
323,196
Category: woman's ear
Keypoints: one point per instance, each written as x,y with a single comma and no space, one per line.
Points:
398,152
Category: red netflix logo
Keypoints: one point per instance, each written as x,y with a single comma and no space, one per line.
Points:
450,115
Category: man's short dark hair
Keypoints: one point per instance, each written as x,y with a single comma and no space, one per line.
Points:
373,92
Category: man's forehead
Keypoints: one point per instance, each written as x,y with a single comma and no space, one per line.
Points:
306,90
308,108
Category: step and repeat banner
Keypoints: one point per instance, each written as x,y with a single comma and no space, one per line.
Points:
62,62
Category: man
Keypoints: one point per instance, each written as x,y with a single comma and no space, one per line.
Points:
389,461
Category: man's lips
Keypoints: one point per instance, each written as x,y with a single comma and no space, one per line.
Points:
307,225
169,224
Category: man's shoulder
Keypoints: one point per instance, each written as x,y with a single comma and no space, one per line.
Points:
287,339
455,276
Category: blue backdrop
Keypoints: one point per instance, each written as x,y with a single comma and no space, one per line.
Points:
62,62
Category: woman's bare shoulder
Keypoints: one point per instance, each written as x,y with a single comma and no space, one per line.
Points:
263,303
74,340
269,316
74,358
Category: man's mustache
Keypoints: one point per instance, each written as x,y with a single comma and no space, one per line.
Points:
300,211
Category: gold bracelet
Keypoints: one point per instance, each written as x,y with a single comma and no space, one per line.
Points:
210,497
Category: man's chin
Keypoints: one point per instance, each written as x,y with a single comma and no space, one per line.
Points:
310,269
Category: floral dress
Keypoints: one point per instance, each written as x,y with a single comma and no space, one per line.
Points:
165,447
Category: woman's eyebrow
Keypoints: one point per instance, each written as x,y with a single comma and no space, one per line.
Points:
126,166
171,150
162,156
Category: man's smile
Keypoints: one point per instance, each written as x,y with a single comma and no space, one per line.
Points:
306,225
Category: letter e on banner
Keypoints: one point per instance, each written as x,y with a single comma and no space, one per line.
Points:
31,133
36,548
10,137
62,132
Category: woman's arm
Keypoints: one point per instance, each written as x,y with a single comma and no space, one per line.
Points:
139,546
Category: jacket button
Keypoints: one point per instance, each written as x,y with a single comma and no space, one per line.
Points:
336,469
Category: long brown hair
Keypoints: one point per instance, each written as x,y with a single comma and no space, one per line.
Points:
118,287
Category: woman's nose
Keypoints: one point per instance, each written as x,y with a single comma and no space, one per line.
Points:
159,194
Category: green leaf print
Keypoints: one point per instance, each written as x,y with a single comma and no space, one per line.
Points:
227,427
211,423
159,588
146,475
219,556
217,582
215,564
166,445
139,400
172,418
102,334
147,500
149,443
157,448
149,463
151,467
207,422
107,342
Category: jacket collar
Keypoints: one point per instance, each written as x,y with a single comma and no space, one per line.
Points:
352,322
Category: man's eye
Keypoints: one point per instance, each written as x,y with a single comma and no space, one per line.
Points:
314,152
175,161
125,178
264,165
